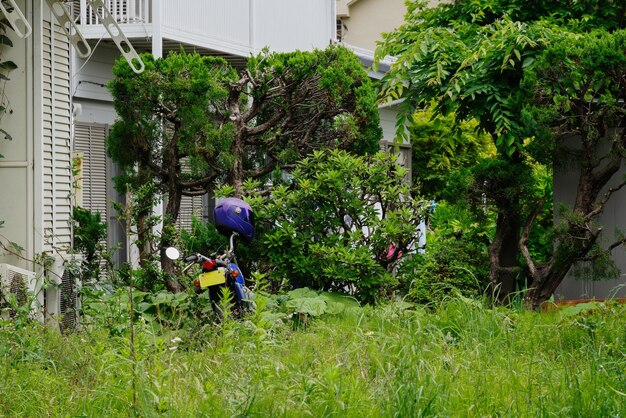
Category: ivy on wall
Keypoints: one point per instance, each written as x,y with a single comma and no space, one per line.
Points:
6,66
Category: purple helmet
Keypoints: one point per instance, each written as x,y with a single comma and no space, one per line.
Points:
234,215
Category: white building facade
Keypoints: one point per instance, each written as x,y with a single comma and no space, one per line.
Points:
58,105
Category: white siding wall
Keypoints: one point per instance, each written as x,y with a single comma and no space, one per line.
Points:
287,25
57,177
388,116
90,83
16,168
218,24
243,26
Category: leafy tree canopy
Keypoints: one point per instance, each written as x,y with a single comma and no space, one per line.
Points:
191,122
529,73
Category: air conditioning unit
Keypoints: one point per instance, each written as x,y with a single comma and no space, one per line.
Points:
63,292
19,287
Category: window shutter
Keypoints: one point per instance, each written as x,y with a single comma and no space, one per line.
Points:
191,206
89,140
56,118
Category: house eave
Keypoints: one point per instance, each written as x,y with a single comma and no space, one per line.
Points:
366,56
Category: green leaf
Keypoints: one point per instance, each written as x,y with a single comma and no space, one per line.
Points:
303,292
309,306
528,62
336,303
144,306
8,65
163,298
4,40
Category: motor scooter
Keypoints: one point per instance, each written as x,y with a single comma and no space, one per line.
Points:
219,271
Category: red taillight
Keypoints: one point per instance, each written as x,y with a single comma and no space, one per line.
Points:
196,283
209,265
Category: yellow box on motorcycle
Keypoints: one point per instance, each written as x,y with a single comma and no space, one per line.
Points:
211,278
234,215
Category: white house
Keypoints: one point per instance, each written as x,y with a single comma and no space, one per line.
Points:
61,107
233,29
58,103
35,173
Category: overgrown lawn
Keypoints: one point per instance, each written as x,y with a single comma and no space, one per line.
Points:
460,359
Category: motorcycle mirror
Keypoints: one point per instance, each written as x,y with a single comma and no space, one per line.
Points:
172,253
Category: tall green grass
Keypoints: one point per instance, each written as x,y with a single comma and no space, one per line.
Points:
460,359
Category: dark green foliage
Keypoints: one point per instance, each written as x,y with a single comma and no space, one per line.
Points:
333,226
191,122
528,72
503,182
168,107
580,15
329,102
184,112
89,237
203,238
455,261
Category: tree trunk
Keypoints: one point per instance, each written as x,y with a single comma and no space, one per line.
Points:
170,215
582,235
237,174
143,236
503,260
169,222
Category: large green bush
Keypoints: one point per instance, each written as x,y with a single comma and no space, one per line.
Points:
455,260
340,223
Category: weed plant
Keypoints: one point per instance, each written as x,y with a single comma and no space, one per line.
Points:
461,358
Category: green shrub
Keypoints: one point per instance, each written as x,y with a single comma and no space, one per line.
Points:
455,260
332,226
89,238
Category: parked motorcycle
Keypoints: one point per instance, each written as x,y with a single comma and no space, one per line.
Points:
233,217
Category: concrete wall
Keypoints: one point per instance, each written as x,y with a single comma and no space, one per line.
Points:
583,285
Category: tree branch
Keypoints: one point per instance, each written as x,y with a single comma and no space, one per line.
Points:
271,123
616,244
604,201
197,183
266,169
601,177
523,242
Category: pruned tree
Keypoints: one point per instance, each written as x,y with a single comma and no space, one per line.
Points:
584,111
190,122
297,103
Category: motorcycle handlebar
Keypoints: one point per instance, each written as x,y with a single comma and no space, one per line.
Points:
199,258
221,263
196,258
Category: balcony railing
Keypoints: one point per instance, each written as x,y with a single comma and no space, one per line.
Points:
123,11
236,27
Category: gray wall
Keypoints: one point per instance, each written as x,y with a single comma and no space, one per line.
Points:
614,217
